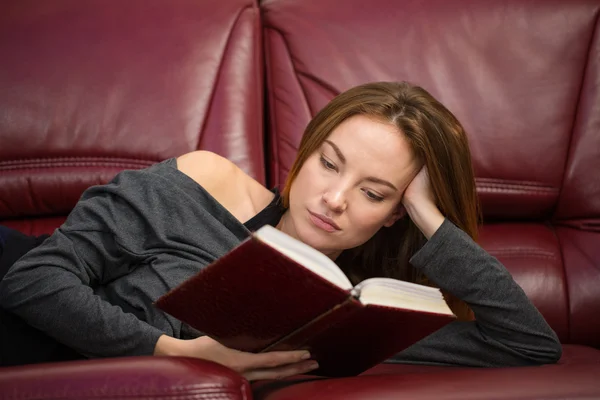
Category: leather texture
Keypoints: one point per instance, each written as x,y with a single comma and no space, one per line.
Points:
514,87
91,90
577,380
522,77
125,378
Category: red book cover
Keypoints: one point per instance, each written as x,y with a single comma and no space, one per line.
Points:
251,297
257,299
355,337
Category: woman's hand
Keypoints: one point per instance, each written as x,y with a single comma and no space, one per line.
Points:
419,202
270,365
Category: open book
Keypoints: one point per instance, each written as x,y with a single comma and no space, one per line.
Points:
273,292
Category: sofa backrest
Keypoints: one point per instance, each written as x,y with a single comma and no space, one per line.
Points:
522,77
91,88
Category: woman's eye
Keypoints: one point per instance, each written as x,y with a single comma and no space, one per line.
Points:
327,164
373,196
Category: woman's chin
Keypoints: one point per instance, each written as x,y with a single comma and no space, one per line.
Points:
318,242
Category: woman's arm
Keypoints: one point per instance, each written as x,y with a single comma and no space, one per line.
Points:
52,286
508,330
145,219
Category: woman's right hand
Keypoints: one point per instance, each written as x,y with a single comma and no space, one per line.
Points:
253,366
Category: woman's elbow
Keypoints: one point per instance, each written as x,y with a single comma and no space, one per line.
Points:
548,352
554,352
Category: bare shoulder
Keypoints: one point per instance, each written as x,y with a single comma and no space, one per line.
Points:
238,192
207,168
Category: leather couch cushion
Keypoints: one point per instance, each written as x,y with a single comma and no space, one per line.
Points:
581,255
574,377
532,254
90,88
579,203
510,71
521,76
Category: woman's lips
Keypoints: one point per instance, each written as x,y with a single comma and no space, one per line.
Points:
323,222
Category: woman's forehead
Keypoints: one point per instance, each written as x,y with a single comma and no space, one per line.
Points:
373,148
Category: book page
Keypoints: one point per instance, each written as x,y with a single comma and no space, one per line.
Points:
305,255
399,294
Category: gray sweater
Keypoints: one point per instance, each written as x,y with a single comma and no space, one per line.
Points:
91,285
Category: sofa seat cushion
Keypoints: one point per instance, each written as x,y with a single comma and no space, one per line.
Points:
575,376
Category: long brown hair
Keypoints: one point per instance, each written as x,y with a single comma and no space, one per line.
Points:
438,140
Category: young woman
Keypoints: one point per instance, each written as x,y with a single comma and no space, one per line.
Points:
383,184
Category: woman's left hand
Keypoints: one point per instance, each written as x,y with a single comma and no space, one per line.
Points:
419,202
419,189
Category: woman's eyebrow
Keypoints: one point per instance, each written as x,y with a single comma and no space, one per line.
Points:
340,155
337,150
382,182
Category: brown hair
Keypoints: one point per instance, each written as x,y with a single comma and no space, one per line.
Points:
438,141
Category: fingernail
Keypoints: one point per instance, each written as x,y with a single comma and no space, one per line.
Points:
313,365
306,355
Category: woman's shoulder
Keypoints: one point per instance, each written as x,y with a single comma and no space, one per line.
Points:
207,168
238,192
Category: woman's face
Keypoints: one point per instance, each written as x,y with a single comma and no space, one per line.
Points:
351,186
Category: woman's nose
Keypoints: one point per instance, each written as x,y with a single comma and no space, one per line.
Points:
335,200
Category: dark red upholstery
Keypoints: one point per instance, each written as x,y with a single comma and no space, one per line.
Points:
574,377
523,79
91,89
126,378
528,383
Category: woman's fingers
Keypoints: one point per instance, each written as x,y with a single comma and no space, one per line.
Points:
272,359
254,366
281,372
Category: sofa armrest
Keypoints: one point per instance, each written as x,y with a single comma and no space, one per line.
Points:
130,378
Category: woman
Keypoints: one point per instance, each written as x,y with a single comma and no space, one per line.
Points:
382,183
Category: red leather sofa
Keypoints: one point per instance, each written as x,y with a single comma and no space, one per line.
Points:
90,88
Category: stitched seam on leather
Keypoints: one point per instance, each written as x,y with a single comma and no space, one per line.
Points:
65,165
173,392
32,163
114,396
491,185
511,182
509,255
523,253
515,186
517,190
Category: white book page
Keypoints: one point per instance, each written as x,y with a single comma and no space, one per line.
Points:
399,294
305,255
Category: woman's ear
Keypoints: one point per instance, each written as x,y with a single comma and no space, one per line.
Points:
396,215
